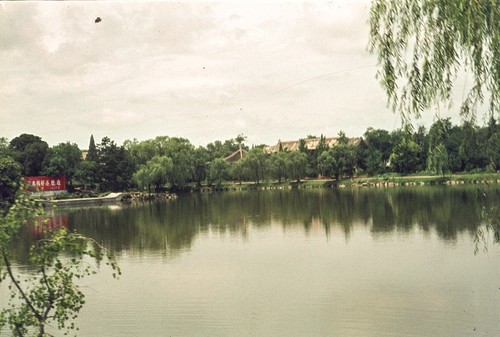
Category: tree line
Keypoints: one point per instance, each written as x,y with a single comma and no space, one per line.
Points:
173,162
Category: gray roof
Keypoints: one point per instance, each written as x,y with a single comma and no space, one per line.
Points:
310,143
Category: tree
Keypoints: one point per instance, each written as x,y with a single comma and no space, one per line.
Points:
10,175
238,171
493,151
372,161
219,149
188,163
255,164
493,144
421,139
437,160
443,132
49,297
4,147
313,169
342,138
472,148
344,159
278,165
404,157
443,38
86,173
63,160
92,154
155,172
311,164
141,152
114,166
181,151
30,151
240,139
326,164
200,160
296,165
379,150
218,171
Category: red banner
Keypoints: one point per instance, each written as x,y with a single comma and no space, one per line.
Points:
44,183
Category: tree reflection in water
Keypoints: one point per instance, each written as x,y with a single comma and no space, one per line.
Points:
168,228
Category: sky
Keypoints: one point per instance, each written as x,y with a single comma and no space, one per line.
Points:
200,70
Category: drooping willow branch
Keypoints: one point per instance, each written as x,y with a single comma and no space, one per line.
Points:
424,45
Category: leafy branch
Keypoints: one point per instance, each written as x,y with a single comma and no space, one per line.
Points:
50,296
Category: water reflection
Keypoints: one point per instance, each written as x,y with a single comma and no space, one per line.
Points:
169,227
259,265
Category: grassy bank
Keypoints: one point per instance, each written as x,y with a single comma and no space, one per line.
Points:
377,181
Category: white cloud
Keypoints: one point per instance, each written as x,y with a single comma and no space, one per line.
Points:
117,118
203,71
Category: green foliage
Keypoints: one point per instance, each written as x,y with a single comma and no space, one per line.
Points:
472,151
373,161
255,165
155,172
5,150
379,140
437,161
297,165
114,166
421,139
86,173
327,164
314,170
219,149
344,159
200,160
30,152
218,171
181,151
493,151
238,171
142,152
92,154
422,45
49,296
10,175
342,139
278,165
63,160
404,158
466,147
375,157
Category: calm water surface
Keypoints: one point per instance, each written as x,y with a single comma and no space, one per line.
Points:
365,262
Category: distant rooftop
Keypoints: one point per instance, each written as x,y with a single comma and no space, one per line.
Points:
310,143
236,156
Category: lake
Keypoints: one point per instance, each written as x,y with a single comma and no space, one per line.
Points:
321,262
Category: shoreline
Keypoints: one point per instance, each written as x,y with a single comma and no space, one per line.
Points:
358,182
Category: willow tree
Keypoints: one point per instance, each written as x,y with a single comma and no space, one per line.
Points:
423,46
155,172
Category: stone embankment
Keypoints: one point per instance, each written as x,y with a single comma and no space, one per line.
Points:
112,198
109,199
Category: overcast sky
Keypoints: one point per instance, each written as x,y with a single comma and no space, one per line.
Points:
194,69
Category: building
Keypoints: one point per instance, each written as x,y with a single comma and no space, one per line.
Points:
236,156
310,143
